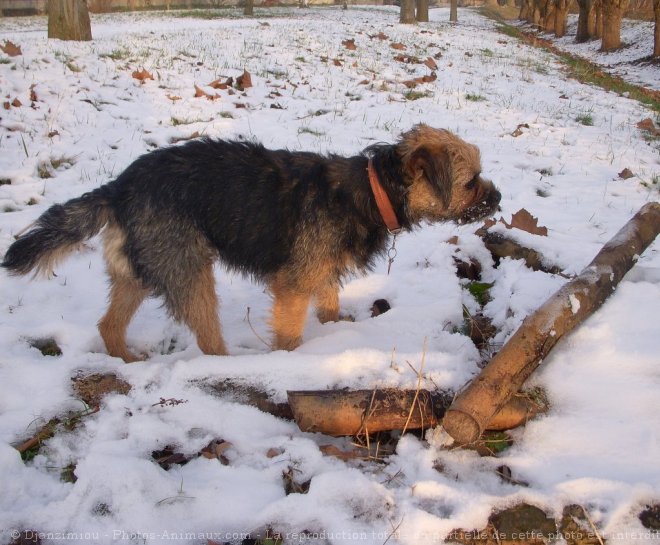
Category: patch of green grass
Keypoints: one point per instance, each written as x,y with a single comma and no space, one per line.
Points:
474,97
585,119
307,130
486,52
480,291
119,54
416,95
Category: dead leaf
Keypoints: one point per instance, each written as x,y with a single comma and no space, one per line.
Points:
331,450
215,451
274,452
52,134
648,126
244,81
519,129
336,62
16,103
380,36
524,221
11,49
453,240
217,84
412,83
142,75
349,44
199,92
240,105
398,46
174,98
6,105
429,62
626,174
33,93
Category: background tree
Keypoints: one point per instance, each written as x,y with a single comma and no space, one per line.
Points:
248,8
453,11
612,15
407,12
69,20
585,28
656,35
561,16
422,11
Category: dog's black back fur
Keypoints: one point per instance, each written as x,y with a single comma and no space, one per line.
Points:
250,203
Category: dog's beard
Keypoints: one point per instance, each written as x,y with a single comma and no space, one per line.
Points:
485,206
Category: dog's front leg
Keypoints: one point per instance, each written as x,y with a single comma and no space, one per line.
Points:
327,303
289,313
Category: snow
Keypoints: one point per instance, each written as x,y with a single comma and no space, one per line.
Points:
599,445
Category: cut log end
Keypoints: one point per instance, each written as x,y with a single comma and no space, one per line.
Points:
462,427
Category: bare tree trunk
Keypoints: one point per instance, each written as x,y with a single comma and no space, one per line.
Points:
453,11
584,32
656,34
612,15
422,11
598,19
524,10
561,16
69,20
407,12
248,9
535,18
548,11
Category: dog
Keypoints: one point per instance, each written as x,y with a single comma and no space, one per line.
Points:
297,221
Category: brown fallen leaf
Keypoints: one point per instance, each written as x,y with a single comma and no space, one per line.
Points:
398,46
626,174
331,450
519,129
199,92
524,221
16,103
11,49
274,452
173,98
33,93
6,105
336,62
215,451
240,105
217,84
648,126
379,36
349,44
429,62
244,81
142,75
412,83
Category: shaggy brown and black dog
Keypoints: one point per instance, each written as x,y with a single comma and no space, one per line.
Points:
300,222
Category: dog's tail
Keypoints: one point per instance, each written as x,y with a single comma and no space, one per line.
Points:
58,232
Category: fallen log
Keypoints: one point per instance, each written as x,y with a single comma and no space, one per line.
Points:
472,410
357,412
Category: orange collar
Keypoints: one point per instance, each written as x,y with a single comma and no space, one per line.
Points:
383,201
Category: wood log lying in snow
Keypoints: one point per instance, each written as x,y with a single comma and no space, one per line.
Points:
473,409
354,412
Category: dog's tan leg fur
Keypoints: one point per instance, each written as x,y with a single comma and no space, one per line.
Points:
126,295
201,314
327,303
289,313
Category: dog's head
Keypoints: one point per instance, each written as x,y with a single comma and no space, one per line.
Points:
444,180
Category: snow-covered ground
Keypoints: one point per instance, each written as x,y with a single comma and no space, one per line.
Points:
632,62
88,118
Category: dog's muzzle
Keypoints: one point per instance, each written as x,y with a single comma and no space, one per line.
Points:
485,204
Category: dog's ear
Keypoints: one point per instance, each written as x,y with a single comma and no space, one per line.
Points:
436,168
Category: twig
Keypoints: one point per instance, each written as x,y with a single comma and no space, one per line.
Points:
253,330
419,385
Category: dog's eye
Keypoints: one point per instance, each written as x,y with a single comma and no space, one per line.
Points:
472,183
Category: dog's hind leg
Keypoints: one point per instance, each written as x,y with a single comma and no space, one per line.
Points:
289,313
200,312
126,295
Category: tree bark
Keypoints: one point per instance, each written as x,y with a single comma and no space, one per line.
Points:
69,20
524,10
453,11
472,409
548,11
422,11
354,412
561,16
407,12
656,34
612,15
584,32
248,9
